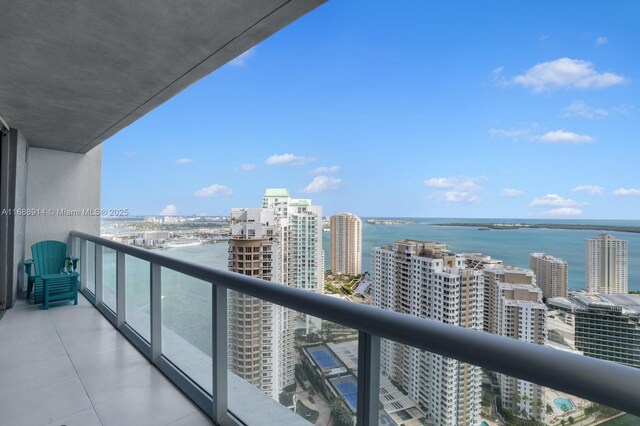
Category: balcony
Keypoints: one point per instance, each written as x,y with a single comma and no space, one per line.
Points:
70,366
117,358
118,375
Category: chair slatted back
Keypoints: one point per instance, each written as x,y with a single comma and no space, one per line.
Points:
48,257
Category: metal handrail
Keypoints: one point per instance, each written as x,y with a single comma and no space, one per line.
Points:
605,382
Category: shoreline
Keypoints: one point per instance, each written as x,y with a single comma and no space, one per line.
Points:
574,227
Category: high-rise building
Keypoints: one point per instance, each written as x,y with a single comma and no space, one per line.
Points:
423,279
513,308
520,314
282,243
606,265
346,244
301,226
607,326
551,274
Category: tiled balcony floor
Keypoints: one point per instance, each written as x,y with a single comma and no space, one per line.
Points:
69,366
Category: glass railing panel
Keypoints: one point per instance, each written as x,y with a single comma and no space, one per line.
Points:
187,325
307,365
419,387
90,264
137,290
109,278
513,401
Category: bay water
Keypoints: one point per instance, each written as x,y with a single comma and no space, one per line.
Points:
513,246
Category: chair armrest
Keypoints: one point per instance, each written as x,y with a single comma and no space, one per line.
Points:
28,263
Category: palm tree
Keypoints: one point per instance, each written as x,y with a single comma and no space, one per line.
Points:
341,415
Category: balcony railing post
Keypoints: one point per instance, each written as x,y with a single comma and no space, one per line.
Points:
120,291
84,260
219,353
98,270
368,379
156,312
72,246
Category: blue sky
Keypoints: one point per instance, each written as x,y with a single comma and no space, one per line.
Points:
421,109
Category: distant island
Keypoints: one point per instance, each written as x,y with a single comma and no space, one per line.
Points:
503,226
390,222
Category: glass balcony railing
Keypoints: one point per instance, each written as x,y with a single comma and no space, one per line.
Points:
211,332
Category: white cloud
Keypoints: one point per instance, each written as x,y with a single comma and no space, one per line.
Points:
277,159
460,197
563,136
169,210
509,133
624,109
439,182
510,192
566,73
591,189
323,170
130,154
242,59
496,76
543,37
215,190
581,109
553,200
459,189
627,192
601,40
248,167
322,184
563,212
184,161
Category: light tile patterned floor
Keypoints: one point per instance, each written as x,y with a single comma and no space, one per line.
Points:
69,366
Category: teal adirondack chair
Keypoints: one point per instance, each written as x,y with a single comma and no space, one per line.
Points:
47,281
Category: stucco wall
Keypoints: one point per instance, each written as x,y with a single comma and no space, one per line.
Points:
62,180
17,276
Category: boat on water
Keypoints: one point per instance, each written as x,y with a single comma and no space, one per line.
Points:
182,242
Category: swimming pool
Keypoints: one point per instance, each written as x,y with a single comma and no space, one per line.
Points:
323,358
484,423
560,402
347,387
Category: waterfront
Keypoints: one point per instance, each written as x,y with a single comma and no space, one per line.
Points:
511,245
186,301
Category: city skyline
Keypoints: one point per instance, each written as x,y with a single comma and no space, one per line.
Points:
342,110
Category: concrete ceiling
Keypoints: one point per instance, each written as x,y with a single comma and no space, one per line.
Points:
74,72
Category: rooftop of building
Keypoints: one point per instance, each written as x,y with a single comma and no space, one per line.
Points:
276,192
346,214
548,257
557,320
519,286
479,257
500,268
300,203
580,301
604,237
525,304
